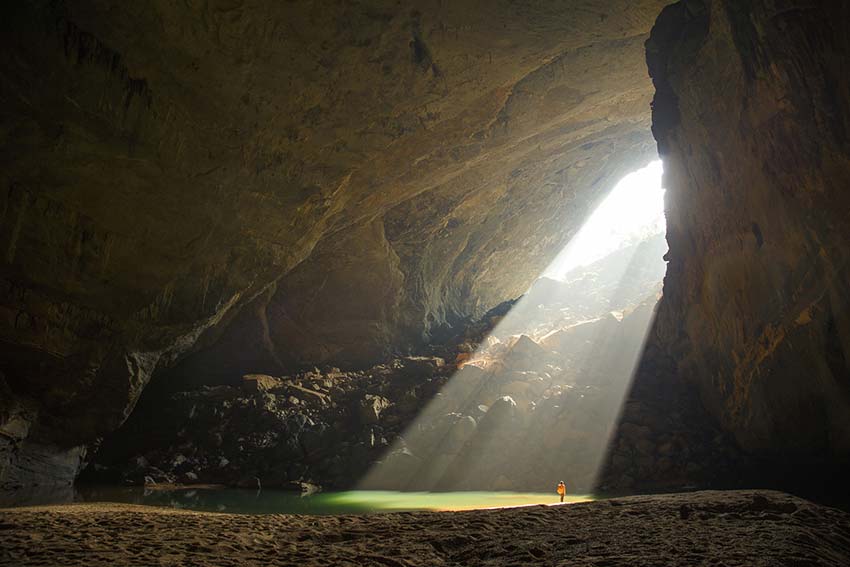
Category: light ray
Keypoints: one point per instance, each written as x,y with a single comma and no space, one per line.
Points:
536,402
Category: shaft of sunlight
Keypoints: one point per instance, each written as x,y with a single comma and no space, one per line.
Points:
538,398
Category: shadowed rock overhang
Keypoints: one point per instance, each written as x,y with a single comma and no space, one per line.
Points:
360,175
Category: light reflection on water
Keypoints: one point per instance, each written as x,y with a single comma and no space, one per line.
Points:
243,501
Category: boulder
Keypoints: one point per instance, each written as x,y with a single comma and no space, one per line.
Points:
460,432
516,389
398,468
371,407
259,383
501,412
310,394
525,353
579,339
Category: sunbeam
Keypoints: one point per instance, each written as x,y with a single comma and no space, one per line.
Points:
536,401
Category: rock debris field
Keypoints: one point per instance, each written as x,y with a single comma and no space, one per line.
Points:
711,528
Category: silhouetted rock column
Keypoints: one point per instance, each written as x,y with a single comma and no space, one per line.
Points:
752,115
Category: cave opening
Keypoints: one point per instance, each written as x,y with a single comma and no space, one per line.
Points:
536,402
633,211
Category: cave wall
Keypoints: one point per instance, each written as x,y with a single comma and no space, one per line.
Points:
752,116
195,190
483,201
165,165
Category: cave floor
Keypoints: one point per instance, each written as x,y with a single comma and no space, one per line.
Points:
712,527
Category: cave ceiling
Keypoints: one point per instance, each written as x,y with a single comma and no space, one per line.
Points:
356,174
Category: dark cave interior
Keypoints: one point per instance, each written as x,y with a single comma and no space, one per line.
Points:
300,245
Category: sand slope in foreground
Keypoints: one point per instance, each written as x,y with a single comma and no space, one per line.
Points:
718,528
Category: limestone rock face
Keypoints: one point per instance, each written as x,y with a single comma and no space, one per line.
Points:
752,118
363,173
444,174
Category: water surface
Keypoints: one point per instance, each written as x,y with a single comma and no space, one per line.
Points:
244,501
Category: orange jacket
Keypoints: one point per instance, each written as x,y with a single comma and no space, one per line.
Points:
562,489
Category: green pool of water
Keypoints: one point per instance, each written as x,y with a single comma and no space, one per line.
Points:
280,502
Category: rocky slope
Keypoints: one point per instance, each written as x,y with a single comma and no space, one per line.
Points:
314,428
164,165
506,412
752,118
514,417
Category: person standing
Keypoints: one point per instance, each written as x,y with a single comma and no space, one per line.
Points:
562,490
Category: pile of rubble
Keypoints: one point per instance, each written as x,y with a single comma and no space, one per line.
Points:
514,415
312,428
488,409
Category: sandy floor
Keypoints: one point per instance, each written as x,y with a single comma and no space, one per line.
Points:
716,528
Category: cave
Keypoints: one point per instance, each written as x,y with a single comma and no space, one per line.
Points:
268,264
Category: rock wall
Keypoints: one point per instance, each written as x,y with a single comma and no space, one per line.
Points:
460,420
491,207
196,190
752,115
166,164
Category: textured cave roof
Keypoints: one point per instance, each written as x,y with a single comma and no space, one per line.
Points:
364,172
